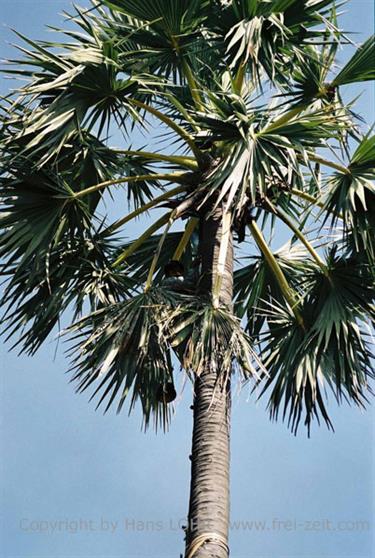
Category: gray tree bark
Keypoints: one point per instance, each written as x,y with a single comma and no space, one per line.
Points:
208,518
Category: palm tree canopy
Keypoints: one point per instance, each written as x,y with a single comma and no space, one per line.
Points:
247,96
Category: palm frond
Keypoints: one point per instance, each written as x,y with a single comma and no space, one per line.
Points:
38,210
204,336
172,16
256,287
138,264
352,195
163,32
76,273
256,159
332,351
123,351
360,67
83,88
261,32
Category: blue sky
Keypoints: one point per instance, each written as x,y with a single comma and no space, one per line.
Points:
78,484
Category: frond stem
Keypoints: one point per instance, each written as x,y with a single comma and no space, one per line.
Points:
157,252
311,199
137,243
287,291
191,81
178,177
327,163
284,217
149,205
239,79
193,86
308,197
189,229
188,162
282,120
171,124
182,110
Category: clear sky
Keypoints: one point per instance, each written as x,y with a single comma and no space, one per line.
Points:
78,484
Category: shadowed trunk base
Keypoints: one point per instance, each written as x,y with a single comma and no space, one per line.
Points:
209,500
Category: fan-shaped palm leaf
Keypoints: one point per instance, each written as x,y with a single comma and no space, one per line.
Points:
360,67
124,351
332,350
255,158
312,67
265,29
352,195
74,273
206,337
256,287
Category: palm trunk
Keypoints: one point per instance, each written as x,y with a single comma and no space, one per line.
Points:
208,520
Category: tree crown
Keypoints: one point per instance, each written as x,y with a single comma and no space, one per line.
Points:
247,99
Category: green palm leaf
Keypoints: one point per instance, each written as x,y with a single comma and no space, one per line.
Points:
332,349
256,287
75,272
361,67
174,17
124,352
38,210
264,30
204,336
254,158
80,90
352,195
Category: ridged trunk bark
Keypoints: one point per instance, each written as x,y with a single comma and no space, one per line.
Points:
208,519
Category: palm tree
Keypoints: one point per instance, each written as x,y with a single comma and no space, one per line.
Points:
243,99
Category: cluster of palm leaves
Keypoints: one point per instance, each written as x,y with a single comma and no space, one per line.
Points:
247,98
